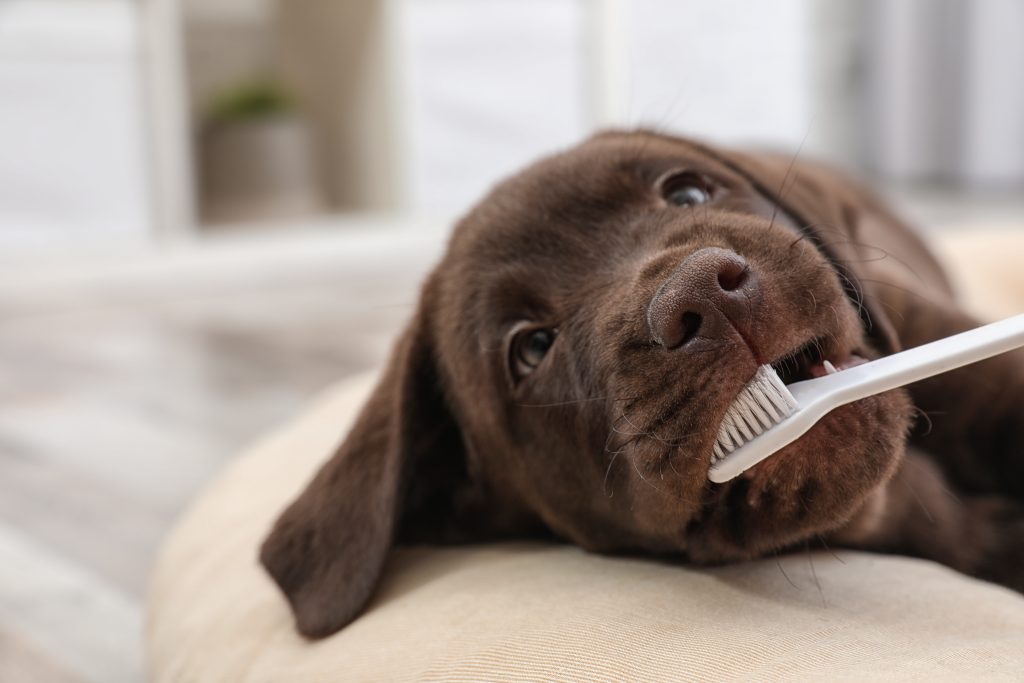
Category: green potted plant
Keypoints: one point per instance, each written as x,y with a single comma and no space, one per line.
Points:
256,157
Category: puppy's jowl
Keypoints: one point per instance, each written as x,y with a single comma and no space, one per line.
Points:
575,350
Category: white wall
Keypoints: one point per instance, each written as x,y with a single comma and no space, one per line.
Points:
492,86
945,92
73,167
729,70
495,84
993,145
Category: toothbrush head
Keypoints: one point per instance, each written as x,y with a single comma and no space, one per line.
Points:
761,404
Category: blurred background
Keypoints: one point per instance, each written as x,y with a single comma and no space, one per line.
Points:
210,210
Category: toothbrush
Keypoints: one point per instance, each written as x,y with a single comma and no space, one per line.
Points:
768,415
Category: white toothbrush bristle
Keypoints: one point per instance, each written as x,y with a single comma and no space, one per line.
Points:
762,403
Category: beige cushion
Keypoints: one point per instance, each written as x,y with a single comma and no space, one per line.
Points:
554,613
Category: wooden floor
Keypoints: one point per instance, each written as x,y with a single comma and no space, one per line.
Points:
116,406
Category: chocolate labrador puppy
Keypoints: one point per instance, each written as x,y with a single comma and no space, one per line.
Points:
574,352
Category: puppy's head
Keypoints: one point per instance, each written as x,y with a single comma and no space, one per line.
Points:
571,361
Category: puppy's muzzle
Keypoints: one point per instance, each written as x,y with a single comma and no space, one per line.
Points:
710,296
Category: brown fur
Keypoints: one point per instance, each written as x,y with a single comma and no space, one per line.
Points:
607,442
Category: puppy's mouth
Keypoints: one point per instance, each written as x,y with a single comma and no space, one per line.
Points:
812,360
743,423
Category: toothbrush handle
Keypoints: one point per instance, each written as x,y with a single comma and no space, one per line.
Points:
931,359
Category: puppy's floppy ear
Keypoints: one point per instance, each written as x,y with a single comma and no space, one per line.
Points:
828,207
403,455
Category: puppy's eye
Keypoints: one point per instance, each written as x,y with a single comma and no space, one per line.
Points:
529,348
685,189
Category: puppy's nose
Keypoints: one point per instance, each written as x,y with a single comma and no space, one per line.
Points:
710,293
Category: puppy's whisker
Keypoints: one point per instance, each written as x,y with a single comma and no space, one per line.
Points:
923,414
638,432
913,491
671,463
778,564
885,254
643,478
570,402
856,292
825,545
814,573
668,494
607,472
923,296
891,308
814,301
835,314
613,431
866,259
780,194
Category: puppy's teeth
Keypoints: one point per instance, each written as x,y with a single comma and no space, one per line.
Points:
829,368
